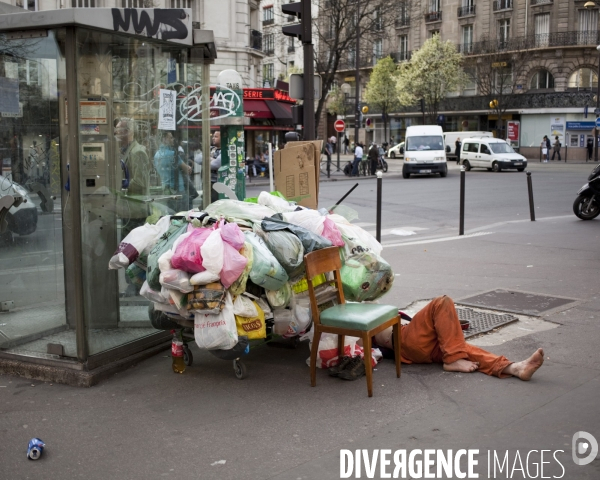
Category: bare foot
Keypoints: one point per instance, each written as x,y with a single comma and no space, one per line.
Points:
461,365
525,369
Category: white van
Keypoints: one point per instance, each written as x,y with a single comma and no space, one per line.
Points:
493,154
450,141
424,151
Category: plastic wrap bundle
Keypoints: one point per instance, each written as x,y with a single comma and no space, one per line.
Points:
286,248
366,276
234,210
164,244
266,271
310,241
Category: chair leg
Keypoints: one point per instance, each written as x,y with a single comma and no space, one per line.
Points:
368,364
313,357
341,339
397,348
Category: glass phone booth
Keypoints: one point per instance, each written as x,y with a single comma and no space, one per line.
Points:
94,151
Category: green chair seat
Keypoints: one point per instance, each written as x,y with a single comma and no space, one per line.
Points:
358,316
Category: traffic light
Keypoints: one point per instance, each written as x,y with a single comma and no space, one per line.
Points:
301,30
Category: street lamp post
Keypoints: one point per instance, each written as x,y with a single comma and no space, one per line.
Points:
357,77
345,88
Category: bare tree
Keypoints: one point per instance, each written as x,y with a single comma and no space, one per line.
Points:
335,37
497,68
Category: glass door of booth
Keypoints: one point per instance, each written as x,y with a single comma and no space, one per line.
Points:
33,319
136,158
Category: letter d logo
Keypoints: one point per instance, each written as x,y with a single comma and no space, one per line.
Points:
589,446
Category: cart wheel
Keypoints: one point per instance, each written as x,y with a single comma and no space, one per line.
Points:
188,358
239,369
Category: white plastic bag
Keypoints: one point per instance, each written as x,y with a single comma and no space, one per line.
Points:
164,261
312,220
176,279
213,332
244,307
278,204
358,240
212,253
204,278
235,209
301,315
327,354
280,298
152,295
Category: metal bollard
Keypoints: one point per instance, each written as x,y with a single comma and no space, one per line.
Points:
530,189
461,225
378,221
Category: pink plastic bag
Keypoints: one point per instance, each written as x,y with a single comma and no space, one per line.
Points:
332,233
233,265
231,234
187,256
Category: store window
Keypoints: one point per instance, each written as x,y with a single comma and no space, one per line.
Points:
541,79
583,79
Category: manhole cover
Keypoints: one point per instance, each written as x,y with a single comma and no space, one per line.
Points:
517,302
482,322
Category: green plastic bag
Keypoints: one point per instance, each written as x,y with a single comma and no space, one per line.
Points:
164,243
266,271
366,276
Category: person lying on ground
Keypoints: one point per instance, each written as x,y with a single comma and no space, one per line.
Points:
434,335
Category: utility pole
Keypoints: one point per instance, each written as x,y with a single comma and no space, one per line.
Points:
357,113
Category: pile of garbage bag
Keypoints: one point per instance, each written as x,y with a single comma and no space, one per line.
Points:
236,270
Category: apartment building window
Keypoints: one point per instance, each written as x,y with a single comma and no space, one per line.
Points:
404,15
268,15
403,47
330,29
588,27
84,3
175,3
541,79
433,33
583,79
268,75
467,39
377,50
435,5
542,30
31,5
503,33
269,43
470,88
352,56
291,46
378,19
503,80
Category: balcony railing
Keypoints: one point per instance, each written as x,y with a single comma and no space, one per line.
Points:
466,11
255,40
541,2
433,17
402,22
546,40
401,56
502,5
269,21
465,48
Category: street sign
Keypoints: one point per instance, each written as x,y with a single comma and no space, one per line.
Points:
598,122
297,86
339,126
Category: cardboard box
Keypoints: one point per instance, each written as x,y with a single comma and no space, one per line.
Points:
294,174
318,148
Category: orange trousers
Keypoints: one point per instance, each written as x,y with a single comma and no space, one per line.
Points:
434,336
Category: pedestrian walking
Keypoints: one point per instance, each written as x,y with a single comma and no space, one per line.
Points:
328,152
590,148
346,143
358,154
373,156
556,149
457,145
333,141
545,146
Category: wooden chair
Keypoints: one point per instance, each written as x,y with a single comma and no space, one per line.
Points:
363,320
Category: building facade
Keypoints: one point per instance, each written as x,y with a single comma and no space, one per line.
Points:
553,89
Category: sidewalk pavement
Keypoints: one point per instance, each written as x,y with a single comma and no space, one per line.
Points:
148,422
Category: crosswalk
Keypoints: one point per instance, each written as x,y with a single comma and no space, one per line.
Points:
392,234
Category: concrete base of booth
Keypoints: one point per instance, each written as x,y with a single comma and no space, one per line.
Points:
73,374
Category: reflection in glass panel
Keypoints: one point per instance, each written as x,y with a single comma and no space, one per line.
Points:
32,287
137,164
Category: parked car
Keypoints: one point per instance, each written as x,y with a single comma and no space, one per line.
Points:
450,141
424,151
396,151
491,153
22,220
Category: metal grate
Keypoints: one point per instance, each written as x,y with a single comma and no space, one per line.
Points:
482,322
516,302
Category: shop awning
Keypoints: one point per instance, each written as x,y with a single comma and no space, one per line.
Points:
257,109
281,111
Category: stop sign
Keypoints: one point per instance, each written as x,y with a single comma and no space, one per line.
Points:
339,126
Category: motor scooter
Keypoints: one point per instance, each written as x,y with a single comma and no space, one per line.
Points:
587,203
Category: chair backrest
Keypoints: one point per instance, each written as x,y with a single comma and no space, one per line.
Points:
323,261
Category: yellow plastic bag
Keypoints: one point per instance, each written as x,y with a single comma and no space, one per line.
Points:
254,327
